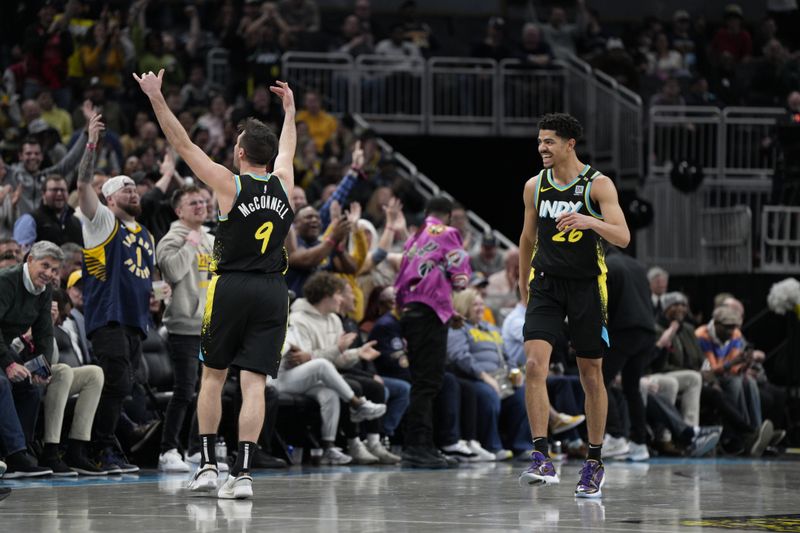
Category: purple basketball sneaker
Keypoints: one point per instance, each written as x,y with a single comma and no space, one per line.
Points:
593,475
541,471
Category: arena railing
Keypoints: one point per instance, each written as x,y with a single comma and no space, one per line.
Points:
748,145
463,95
690,234
780,239
726,143
330,74
525,94
474,96
390,92
684,133
726,240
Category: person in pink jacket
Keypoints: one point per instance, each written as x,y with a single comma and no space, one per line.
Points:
434,264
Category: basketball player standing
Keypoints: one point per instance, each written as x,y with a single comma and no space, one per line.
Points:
245,318
569,208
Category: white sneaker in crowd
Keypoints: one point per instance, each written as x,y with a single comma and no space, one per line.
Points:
460,452
367,411
503,455
636,452
171,461
335,456
483,455
358,451
615,446
385,457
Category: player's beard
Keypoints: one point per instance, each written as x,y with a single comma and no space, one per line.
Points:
133,210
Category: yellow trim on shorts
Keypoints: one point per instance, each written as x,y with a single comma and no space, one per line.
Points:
212,286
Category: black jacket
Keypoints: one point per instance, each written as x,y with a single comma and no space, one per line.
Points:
629,304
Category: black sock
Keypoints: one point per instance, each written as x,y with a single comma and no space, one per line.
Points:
76,448
50,449
540,444
208,445
243,458
595,451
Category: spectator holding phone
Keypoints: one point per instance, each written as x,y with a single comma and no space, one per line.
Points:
25,302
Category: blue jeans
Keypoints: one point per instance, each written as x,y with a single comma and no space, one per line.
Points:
397,398
509,414
566,396
12,439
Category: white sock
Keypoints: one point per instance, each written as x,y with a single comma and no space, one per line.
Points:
373,439
352,441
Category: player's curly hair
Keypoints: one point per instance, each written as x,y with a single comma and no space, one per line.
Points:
566,126
320,285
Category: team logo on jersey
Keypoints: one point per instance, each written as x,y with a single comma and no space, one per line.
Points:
578,190
436,229
456,257
424,268
553,208
398,344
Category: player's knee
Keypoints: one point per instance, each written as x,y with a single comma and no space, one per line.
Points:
536,369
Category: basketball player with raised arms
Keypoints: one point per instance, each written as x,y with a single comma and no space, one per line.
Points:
244,323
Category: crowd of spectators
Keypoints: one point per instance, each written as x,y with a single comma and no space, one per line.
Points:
354,210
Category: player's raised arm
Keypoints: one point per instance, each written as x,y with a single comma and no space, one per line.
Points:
212,174
284,166
528,237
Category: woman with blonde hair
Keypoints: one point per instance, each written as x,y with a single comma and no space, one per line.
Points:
475,351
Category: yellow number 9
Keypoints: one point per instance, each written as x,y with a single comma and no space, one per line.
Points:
263,233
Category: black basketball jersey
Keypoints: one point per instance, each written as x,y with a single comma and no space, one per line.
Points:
250,237
570,253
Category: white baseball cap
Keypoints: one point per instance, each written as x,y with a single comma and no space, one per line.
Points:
116,183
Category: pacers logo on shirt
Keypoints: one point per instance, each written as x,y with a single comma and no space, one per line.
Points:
135,262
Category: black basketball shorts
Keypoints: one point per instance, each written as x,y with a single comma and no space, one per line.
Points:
584,302
244,323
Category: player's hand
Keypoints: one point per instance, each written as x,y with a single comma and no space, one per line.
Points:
281,88
150,83
574,220
345,340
